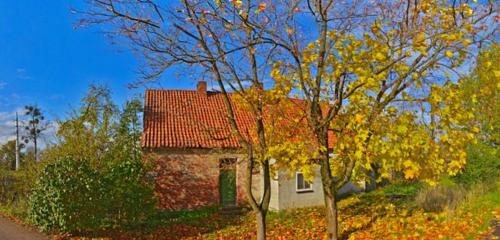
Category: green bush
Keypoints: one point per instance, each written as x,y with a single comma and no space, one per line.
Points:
481,173
403,188
15,185
483,165
71,196
7,192
65,197
127,197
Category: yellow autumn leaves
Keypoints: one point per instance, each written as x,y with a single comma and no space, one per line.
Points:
428,137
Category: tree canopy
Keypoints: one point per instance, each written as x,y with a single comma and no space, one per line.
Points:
481,96
99,130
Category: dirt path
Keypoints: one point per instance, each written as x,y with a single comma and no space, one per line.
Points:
12,231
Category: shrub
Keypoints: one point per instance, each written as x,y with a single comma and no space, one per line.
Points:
65,197
439,198
483,165
70,196
480,174
15,185
128,197
403,188
6,186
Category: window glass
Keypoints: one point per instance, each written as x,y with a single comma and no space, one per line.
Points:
302,184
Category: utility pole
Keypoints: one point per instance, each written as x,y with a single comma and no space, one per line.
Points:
18,162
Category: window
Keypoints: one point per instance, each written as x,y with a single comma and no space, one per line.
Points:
302,184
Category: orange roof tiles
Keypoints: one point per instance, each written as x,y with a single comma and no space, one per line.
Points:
189,119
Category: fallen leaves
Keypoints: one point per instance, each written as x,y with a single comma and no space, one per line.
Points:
368,216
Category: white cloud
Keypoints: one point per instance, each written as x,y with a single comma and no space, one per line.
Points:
6,116
8,128
10,101
7,132
49,135
22,74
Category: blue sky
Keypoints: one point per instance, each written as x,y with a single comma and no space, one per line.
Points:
45,60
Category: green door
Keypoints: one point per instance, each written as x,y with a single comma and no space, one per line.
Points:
227,187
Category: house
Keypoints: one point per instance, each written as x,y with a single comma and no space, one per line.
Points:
199,161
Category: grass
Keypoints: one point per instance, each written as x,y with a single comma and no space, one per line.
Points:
486,205
163,217
402,188
15,210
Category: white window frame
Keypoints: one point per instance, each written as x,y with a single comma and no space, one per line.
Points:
310,189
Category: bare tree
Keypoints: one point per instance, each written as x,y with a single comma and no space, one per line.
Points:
216,39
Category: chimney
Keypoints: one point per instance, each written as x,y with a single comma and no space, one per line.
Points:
201,87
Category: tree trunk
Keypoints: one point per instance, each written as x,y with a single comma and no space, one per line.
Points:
331,217
330,200
261,225
261,206
329,188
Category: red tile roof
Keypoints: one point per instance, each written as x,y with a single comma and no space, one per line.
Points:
189,119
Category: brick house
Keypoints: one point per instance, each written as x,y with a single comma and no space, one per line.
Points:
199,162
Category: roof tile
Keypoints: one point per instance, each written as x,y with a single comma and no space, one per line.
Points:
188,119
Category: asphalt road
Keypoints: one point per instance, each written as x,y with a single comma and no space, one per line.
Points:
13,231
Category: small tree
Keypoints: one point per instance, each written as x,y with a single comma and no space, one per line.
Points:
34,127
481,97
8,155
128,132
89,129
377,77
481,94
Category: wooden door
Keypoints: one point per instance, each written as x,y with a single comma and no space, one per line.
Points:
227,182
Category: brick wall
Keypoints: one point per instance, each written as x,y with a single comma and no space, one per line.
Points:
189,179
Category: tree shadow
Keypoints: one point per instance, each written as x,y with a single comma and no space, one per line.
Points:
168,225
373,206
194,224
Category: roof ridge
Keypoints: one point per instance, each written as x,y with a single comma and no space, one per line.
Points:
168,90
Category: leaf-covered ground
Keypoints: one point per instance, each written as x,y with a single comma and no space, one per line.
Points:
368,216
382,214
